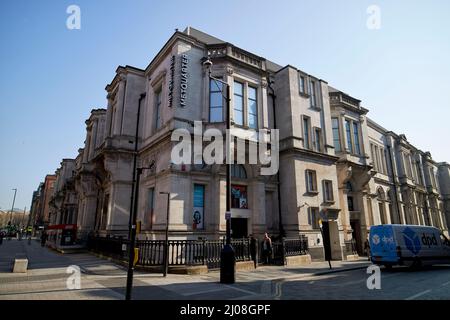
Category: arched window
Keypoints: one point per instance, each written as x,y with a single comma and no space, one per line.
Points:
389,195
390,199
380,194
349,186
238,171
381,205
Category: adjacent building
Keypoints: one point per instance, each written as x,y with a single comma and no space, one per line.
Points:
40,206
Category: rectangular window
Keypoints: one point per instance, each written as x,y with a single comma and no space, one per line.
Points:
328,190
433,178
312,93
306,132
252,108
372,153
377,159
302,84
215,101
317,139
311,181
356,138
149,215
238,103
199,207
239,197
419,173
407,160
158,96
382,163
350,205
336,136
348,132
384,155
313,217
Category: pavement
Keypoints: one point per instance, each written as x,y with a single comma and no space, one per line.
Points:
50,277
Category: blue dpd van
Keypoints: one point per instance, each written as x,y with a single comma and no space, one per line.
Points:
409,245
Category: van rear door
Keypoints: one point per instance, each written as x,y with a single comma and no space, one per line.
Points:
383,245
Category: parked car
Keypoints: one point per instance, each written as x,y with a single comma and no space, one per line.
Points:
408,245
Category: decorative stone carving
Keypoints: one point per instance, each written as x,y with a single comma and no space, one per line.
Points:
264,83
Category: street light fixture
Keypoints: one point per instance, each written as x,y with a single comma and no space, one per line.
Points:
133,207
12,208
227,255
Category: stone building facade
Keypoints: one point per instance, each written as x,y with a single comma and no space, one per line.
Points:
339,170
64,200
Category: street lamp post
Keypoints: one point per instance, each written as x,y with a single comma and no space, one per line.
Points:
227,255
133,207
12,208
166,246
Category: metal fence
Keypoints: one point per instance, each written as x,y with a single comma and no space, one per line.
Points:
351,246
195,252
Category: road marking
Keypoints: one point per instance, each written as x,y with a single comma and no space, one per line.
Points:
200,292
445,284
278,290
418,295
242,290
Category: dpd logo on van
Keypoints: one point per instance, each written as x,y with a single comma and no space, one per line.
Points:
412,240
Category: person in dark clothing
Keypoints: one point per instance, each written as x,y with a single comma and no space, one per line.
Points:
267,249
1,237
367,248
43,238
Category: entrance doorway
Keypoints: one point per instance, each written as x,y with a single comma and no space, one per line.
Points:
356,234
239,228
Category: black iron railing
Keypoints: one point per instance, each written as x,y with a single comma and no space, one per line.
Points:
194,252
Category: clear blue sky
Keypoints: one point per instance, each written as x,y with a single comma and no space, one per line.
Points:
52,77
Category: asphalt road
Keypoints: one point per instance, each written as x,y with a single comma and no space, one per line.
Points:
48,276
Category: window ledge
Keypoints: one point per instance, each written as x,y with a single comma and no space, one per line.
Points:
315,108
329,202
305,95
312,193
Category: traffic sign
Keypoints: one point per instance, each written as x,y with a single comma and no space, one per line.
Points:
227,215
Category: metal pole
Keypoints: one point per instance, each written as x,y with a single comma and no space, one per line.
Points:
228,167
133,208
280,216
12,208
227,256
166,246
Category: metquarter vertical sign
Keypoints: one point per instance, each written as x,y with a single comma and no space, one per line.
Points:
171,81
184,79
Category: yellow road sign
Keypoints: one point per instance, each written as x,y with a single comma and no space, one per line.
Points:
136,256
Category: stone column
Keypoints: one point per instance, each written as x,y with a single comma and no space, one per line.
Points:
86,219
263,107
258,208
120,105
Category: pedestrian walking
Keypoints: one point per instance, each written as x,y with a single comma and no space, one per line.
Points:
1,237
43,238
367,248
267,249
